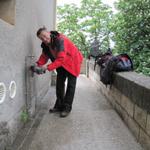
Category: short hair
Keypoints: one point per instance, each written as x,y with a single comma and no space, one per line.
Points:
40,30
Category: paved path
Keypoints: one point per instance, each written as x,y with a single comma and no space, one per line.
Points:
92,125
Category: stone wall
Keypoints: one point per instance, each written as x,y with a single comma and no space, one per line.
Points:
130,97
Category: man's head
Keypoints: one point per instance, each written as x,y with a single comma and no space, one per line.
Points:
44,35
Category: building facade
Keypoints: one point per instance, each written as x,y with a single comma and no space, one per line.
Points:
20,90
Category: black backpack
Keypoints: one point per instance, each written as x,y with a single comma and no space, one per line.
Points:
124,63
109,64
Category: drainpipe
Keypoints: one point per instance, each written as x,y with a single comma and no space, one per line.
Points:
30,84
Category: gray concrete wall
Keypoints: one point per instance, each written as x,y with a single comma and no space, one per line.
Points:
130,96
17,42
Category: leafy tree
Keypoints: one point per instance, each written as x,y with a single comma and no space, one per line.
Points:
93,21
86,23
131,30
68,18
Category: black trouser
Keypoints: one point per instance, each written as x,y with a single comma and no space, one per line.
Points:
65,98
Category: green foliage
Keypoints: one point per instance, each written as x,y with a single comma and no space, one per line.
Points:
131,30
85,23
24,116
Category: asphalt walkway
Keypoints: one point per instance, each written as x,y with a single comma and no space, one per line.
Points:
92,125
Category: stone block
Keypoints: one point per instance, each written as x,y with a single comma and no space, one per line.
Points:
148,124
116,94
140,116
144,139
146,100
137,94
134,127
127,84
113,103
122,113
118,82
127,105
125,115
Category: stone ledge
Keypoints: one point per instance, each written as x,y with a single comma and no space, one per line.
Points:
136,87
133,85
130,97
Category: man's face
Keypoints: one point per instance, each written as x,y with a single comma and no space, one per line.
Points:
45,37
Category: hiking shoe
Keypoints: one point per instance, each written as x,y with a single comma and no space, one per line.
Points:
64,114
54,110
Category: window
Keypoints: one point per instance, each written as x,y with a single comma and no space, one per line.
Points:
7,11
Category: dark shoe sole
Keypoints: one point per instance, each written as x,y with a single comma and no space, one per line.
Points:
64,114
54,110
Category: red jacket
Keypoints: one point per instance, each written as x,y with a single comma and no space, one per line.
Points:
65,54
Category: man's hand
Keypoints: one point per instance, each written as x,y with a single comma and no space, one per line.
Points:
40,70
37,69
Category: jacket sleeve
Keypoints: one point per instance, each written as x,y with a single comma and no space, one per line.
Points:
58,61
43,59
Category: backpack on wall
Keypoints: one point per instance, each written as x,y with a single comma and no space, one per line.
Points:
124,63
109,64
